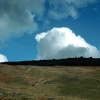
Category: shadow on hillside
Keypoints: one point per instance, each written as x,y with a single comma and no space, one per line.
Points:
60,62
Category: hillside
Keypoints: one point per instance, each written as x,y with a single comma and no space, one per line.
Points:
21,82
61,62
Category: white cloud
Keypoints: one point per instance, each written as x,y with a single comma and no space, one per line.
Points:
3,58
17,16
60,9
63,43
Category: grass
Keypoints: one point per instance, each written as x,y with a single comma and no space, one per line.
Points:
49,83
71,85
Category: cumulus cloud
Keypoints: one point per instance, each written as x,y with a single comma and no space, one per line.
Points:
3,58
60,9
63,43
17,16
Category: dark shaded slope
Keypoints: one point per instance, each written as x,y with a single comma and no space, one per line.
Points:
61,62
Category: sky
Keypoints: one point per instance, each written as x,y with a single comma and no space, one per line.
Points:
49,29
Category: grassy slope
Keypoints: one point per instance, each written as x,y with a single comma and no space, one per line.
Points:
49,83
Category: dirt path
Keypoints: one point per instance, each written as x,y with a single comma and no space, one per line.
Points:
25,74
30,68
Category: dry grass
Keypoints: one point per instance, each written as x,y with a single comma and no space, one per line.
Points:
49,83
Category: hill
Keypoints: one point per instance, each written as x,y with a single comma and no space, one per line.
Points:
21,82
61,62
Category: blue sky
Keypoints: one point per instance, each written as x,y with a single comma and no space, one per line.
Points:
22,21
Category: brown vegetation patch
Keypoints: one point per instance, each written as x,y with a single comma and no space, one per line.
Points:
5,78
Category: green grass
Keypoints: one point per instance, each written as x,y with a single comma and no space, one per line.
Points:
49,83
71,85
